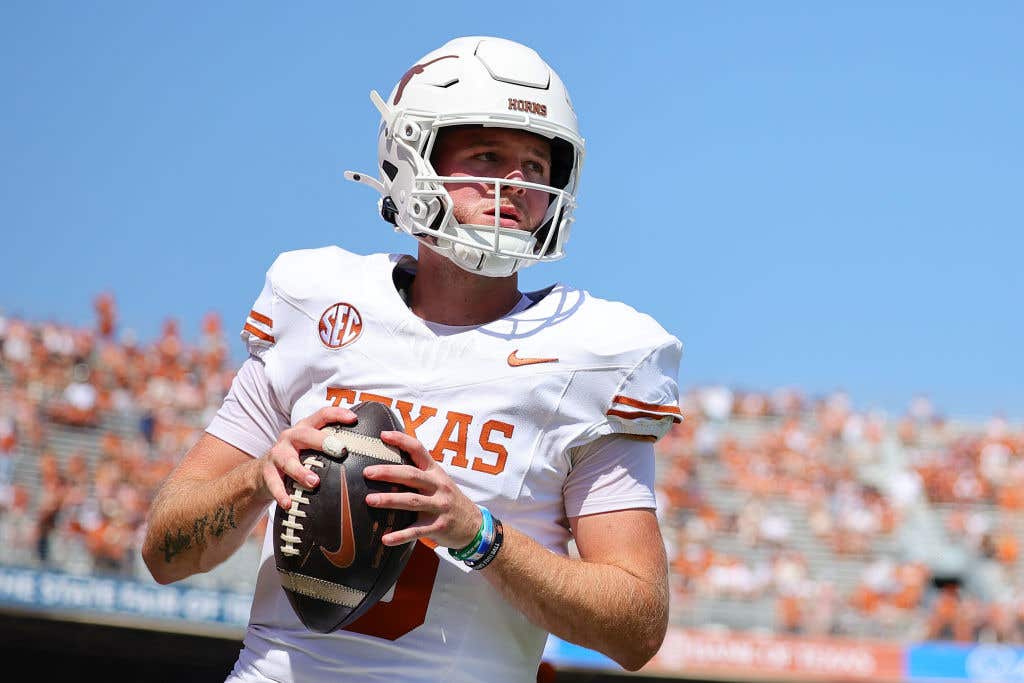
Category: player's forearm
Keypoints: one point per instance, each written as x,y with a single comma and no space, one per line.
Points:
598,606
195,525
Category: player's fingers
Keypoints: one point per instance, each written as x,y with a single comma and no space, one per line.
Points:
286,458
409,533
326,416
275,484
303,436
411,445
414,502
401,474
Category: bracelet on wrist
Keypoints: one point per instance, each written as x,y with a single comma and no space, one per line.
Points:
470,549
486,538
492,552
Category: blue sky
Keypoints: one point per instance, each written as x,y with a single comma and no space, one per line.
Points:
821,195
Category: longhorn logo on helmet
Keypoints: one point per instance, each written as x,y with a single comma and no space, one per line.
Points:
416,69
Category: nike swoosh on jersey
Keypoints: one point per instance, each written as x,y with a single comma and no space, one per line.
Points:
345,553
515,361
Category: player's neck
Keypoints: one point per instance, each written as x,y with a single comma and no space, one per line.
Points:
444,293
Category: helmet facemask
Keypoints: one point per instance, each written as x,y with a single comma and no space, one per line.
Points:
484,247
415,198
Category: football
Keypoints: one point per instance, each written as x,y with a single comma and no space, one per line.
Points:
327,546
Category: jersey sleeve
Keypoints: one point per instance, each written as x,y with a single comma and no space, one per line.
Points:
635,395
258,332
250,418
610,473
646,402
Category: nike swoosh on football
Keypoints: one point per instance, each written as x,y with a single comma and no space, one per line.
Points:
345,554
515,361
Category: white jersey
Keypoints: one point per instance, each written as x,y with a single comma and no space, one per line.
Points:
505,407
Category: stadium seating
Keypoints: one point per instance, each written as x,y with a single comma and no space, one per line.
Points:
781,514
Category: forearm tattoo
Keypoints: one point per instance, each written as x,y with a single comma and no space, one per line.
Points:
201,529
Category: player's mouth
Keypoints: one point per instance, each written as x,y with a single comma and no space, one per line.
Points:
508,218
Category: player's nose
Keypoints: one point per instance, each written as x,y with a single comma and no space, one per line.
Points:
514,174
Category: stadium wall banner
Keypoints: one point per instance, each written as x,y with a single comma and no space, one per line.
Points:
989,662
777,657
693,653
59,592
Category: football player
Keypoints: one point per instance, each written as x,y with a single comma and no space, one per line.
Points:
531,416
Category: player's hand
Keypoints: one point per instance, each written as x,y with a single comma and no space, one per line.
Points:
446,515
282,460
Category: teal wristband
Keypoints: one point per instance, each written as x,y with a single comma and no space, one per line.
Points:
486,538
470,549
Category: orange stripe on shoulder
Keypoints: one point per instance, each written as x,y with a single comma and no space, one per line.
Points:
260,318
640,414
258,333
643,405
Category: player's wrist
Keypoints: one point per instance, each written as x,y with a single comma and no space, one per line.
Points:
258,483
471,542
482,550
487,553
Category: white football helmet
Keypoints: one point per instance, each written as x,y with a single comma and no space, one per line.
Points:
475,81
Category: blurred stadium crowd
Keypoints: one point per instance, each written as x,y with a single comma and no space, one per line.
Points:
90,425
781,513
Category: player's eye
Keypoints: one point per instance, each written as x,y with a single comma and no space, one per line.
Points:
535,167
536,170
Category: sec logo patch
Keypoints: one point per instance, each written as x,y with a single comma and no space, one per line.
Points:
340,325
